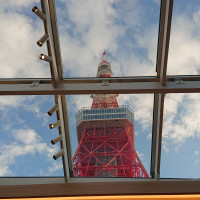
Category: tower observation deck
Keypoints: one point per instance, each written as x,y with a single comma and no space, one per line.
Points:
105,134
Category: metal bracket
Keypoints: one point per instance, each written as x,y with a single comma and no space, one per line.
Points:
105,83
179,81
35,83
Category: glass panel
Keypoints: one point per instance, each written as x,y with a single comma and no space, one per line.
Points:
111,144
181,136
126,29
20,30
184,40
25,147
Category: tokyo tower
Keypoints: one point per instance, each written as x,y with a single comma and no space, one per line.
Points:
105,135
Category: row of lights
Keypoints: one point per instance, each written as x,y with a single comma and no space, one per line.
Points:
46,58
55,125
45,37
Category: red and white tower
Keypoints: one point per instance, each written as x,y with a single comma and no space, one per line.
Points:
105,135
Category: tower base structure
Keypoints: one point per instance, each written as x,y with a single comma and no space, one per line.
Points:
106,147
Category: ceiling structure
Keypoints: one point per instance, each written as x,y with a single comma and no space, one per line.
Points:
59,87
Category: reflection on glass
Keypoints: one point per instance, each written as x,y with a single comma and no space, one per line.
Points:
181,136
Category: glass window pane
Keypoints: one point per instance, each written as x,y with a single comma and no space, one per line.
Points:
19,53
25,144
181,136
184,45
126,29
103,147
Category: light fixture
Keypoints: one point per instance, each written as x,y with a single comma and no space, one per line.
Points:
45,58
55,108
54,141
58,154
42,40
39,13
54,125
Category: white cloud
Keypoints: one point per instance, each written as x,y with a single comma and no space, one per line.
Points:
149,136
35,106
92,29
150,45
196,17
19,52
92,26
196,161
26,142
79,101
11,108
182,122
184,45
17,5
165,146
55,167
12,101
196,153
142,104
157,1
26,136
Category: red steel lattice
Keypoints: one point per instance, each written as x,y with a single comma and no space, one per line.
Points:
106,147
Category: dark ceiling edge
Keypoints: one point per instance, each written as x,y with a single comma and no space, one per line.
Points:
103,188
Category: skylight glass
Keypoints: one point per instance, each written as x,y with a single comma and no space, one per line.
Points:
127,30
97,130
25,147
184,46
19,53
180,157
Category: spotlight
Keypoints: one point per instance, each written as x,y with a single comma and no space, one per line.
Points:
58,154
45,58
42,40
39,13
54,141
55,108
51,126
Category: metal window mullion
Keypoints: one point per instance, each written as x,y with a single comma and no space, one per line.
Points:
44,10
51,49
30,180
99,80
62,131
55,35
163,39
63,114
63,88
67,134
157,135
65,169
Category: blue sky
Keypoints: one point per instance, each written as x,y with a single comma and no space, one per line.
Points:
128,31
